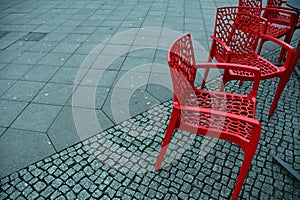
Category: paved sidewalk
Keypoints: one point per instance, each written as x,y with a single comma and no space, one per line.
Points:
54,51
85,99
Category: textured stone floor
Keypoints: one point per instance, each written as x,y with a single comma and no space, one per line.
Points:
48,153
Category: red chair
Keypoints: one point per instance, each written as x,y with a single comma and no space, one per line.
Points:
282,18
235,41
221,115
276,27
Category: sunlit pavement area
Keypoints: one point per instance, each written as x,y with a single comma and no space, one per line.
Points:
85,98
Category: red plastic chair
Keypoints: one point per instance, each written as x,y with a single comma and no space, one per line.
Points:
235,41
282,18
276,27
221,115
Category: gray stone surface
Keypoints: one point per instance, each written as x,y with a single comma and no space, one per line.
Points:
41,73
19,150
37,117
54,94
14,71
23,91
10,110
43,46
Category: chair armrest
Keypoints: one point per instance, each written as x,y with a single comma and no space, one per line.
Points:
227,49
252,121
230,66
284,45
222,43
288,47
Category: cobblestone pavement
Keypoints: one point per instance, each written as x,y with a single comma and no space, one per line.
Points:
42,157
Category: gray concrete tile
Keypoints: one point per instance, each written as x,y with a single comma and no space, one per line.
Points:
64,47
73,22
85,29
23,91
5,84
9,111
102,78
142,53
133,79
57,23
45,28
21,46
56,59
8,56
43,46
63,132
108,62
3,65
14,71
97,38
25,27
75,38
29,58
115,23
136,64
160,86
2,130
41,73
37,117
18,151
123,103
92,23
89,122
88,97
4,44
146,41
54,94
75,60
65,75
85,48
108,30
15,35
54,37
115,49
131,23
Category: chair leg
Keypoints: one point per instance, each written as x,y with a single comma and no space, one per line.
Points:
206,71
248,156
280,87
225,79
173,124
262,41
241,83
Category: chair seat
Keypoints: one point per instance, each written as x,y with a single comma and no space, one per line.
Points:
226,102
286,19
252,59
276,31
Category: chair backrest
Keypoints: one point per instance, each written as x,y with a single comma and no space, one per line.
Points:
182,67
274,3
251,3
237,28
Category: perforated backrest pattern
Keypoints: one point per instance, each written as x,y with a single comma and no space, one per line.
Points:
182,67
238,29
